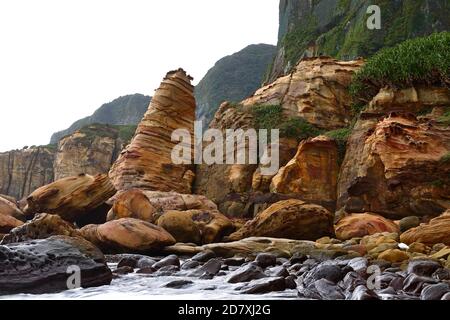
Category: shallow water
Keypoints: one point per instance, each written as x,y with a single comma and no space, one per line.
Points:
147,287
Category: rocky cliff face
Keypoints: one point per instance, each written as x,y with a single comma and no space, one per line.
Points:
338,28
126,110
90,150
232,78
146,163
22,171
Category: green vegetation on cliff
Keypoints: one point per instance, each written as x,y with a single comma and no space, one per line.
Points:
423,60
341,136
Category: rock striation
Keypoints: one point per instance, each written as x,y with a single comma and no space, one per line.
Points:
146,163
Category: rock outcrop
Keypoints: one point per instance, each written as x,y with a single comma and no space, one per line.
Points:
360,225
71,198
9,208
44,266
394,167
290,219
146,163
434,232
127,235
7,223
22,171
312,173
91,150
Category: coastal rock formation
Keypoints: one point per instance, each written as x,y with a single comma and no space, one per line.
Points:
316,90
91,150
9,208
127,235
149,205
22,171
312,173
291,219
434,232
394,167
196,226
41,266
360,225
146,163
71,198
41,227
7,223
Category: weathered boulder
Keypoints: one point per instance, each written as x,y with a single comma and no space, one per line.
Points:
72,197
146,162
360,225
44,266
312,173
393,167
9,208
127,235
291,219
42,226
436,231
148,205
7,223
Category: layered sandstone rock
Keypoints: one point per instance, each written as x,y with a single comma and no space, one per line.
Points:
41,227
434,232
316,90
146,163
149,205
7,223
91,150
127,235
394,167
312,173
71,198
360,225
22,171
9,208
290,219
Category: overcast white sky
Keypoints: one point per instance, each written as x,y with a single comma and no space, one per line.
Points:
62,59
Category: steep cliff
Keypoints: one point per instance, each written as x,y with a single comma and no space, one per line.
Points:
22,171
338,28
126,110
232,78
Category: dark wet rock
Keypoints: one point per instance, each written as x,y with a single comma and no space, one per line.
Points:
178,284
423,267
190,264
351,281
145,262
323,271
278,271
209,269
234,262
204,256
408,223
296,267
393,270
221,273
434,291
290,282
362,293
298,258
41,266
171,260
206,276
308,262
224,267
328,290
266,285
246,273
398,283
446,296
123,270
303,269
146,270
167,270
414,283
115,258
265,260
359,265
282,261
127,262
386,278
441,274
306,293
387,291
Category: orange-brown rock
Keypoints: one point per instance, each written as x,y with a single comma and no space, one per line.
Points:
434,232
72,197
41,227
312,173
394,167
316,90
196,226
360,225
146,162
148,205
10,209
127,235
7,223
290,219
